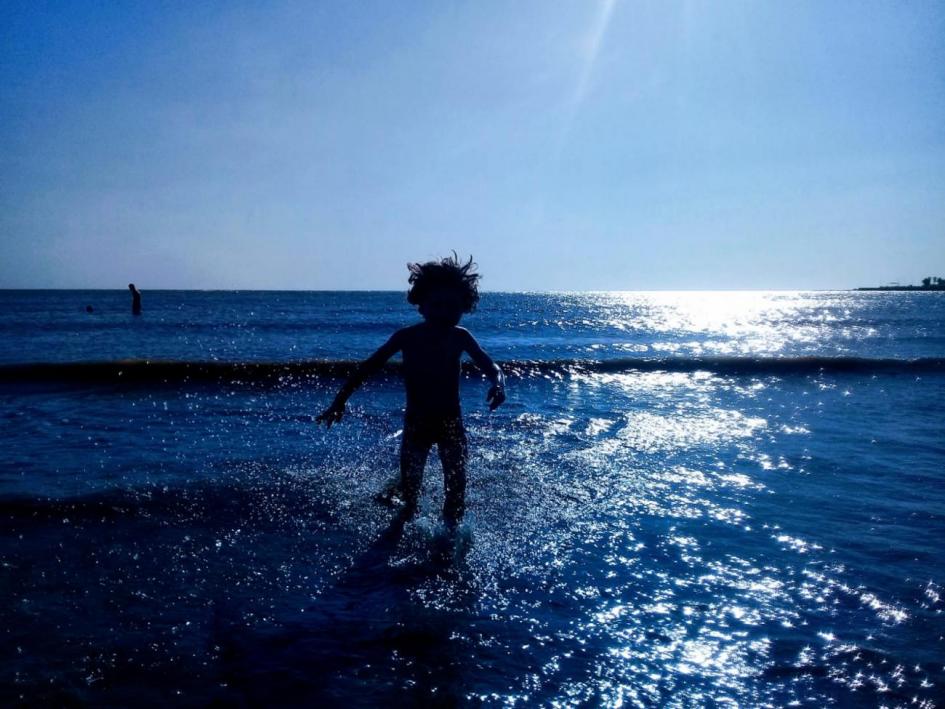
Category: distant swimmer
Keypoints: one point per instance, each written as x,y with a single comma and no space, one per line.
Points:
89,309
442,291
135,299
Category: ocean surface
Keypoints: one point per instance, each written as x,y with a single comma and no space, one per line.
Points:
689,499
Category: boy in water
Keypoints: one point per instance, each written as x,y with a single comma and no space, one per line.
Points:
442,291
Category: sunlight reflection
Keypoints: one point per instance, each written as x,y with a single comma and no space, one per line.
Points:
719,322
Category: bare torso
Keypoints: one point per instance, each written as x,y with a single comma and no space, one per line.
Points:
432,365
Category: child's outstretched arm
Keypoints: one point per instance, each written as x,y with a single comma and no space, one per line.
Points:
368,367
496,394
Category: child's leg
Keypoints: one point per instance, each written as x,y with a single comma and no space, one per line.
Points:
413,457
454,452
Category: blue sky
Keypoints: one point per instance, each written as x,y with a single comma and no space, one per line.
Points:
567,145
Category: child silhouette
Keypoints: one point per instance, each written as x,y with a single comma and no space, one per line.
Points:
442,291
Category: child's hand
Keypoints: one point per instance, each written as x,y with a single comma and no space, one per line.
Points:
331,415
495,397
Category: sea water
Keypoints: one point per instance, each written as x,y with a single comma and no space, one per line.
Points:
689,499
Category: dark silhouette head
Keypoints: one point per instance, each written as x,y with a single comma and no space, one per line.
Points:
131,287
443,290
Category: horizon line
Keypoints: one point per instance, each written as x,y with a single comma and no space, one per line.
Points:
404,290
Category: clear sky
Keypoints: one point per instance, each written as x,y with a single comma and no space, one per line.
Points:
567,145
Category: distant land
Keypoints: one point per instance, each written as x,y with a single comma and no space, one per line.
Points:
929,283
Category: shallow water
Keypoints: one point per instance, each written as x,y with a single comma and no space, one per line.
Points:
647,536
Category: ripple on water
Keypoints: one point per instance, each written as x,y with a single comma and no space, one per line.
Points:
613,553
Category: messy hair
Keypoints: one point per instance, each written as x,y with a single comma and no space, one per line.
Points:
449,272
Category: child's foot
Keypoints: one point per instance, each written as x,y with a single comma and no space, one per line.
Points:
409,509
390,496
451,543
